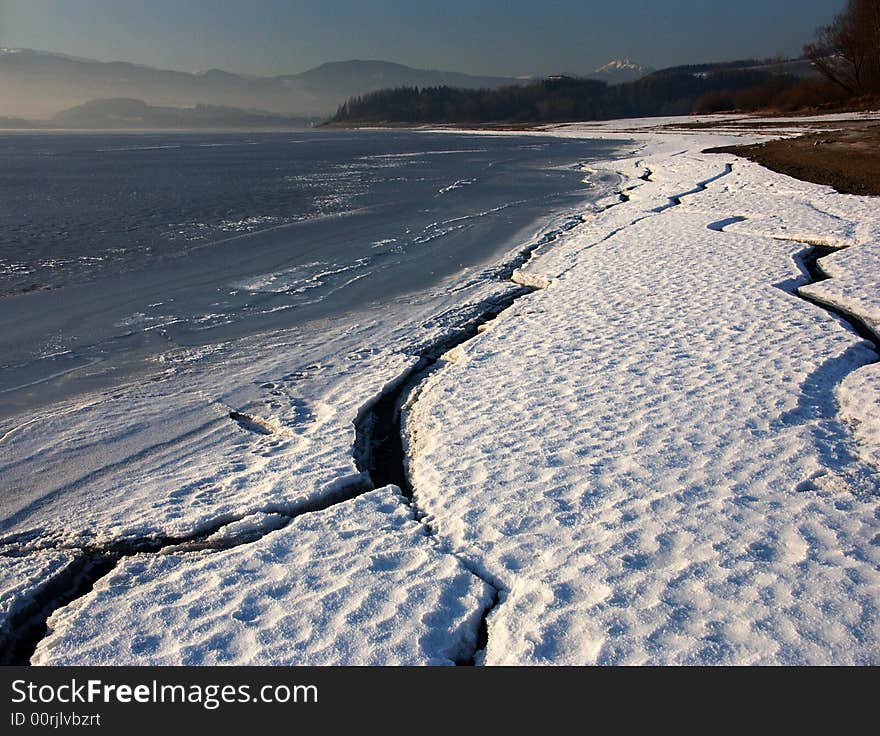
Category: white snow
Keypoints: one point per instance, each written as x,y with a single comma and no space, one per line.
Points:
624,68
859,397
165,458
647,456
617,64
357,584
253,525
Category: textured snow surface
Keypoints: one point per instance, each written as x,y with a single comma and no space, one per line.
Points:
649,457
357,584
185,461
859,397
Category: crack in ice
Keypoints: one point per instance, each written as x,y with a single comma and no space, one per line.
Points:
700,186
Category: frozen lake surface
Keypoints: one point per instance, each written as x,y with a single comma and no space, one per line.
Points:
115,248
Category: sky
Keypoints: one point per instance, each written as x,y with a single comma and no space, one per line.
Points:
498,37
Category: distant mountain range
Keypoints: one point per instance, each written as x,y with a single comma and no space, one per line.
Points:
745,85
42,89
340,80
37,84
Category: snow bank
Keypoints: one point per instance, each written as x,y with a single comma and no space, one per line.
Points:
167,458
854,283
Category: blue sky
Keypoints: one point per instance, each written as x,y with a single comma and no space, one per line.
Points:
505,37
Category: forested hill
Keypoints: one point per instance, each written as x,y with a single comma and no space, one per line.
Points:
558,99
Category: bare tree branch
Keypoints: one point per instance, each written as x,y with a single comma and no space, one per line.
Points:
847,52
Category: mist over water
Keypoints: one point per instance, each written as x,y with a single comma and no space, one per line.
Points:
116,247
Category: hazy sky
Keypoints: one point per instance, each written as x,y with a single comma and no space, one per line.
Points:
505,37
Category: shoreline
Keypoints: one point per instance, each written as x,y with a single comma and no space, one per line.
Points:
848,161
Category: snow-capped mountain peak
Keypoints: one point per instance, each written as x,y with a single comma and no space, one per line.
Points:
620,65
621,70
